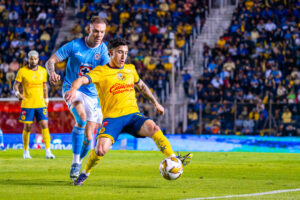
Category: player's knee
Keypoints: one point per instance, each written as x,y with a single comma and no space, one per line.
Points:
153,129
100,151
27,127
44,125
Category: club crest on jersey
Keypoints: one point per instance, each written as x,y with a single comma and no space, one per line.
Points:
97,56
84,70
121,76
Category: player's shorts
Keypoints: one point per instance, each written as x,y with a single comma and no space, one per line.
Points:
27,115
113,127
91,106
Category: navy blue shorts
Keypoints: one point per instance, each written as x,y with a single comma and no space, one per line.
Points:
113,127
27,115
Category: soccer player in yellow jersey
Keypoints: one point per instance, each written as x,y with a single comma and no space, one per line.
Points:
115,84
34,101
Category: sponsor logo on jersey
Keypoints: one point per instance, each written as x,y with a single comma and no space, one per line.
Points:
120,88
97,56
84,70
78,54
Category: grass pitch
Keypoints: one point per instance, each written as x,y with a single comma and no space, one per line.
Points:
135,175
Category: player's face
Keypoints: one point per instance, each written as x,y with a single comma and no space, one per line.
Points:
33,61
119,55
97,32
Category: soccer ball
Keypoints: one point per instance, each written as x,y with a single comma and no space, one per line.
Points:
171,168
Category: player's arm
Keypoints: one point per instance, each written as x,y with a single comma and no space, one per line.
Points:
50,66
17,92
144,89
45,89
71,94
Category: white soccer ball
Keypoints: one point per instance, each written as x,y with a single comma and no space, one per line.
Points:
171,168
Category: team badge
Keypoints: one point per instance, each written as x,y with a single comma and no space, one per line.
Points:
102,130
84,70
23,112
45,112
23,117
105,123
121,76
97,56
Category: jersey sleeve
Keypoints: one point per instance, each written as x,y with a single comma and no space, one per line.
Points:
19,76
105,57
135,75
94,75
65,51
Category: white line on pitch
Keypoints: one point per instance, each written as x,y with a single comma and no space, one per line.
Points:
248,195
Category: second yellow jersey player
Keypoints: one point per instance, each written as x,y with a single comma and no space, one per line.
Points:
34,100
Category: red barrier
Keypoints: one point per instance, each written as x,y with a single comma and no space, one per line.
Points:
60,118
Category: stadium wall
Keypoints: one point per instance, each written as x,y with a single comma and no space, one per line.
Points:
205,143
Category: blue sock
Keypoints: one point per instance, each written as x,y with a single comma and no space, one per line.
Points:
85,148
1,137
77,139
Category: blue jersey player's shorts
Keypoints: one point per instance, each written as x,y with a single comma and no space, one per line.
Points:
113,127
27,115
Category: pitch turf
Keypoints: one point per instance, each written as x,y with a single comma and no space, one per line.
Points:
135,175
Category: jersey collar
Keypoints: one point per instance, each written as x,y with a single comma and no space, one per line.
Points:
85,38
114,67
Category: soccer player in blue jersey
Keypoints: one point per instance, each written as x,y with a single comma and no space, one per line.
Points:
83,55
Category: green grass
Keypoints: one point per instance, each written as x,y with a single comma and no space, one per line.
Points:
135,175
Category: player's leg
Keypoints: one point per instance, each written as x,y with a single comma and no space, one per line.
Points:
102,147
42,118
46,138
150,129
26,117
78,112
88,136
93,116
26,135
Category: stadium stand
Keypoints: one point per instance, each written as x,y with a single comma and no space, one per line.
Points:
25,25
151,26
251,78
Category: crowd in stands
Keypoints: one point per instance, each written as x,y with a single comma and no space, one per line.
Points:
25,25
254,63
158,32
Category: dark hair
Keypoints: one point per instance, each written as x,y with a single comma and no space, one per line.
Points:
114,43
98,20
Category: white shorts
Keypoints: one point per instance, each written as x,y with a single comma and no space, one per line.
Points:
91,106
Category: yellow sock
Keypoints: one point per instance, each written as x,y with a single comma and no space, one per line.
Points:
92,161
46,137
26,139
163,143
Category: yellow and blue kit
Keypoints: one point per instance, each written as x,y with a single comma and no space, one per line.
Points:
115,87
33,103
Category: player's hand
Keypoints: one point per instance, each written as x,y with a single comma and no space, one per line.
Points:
70,96
159,109
20,97
54,78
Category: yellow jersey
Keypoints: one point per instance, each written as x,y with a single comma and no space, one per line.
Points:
115,87
32,84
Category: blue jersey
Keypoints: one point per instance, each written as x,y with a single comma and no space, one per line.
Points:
82,59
